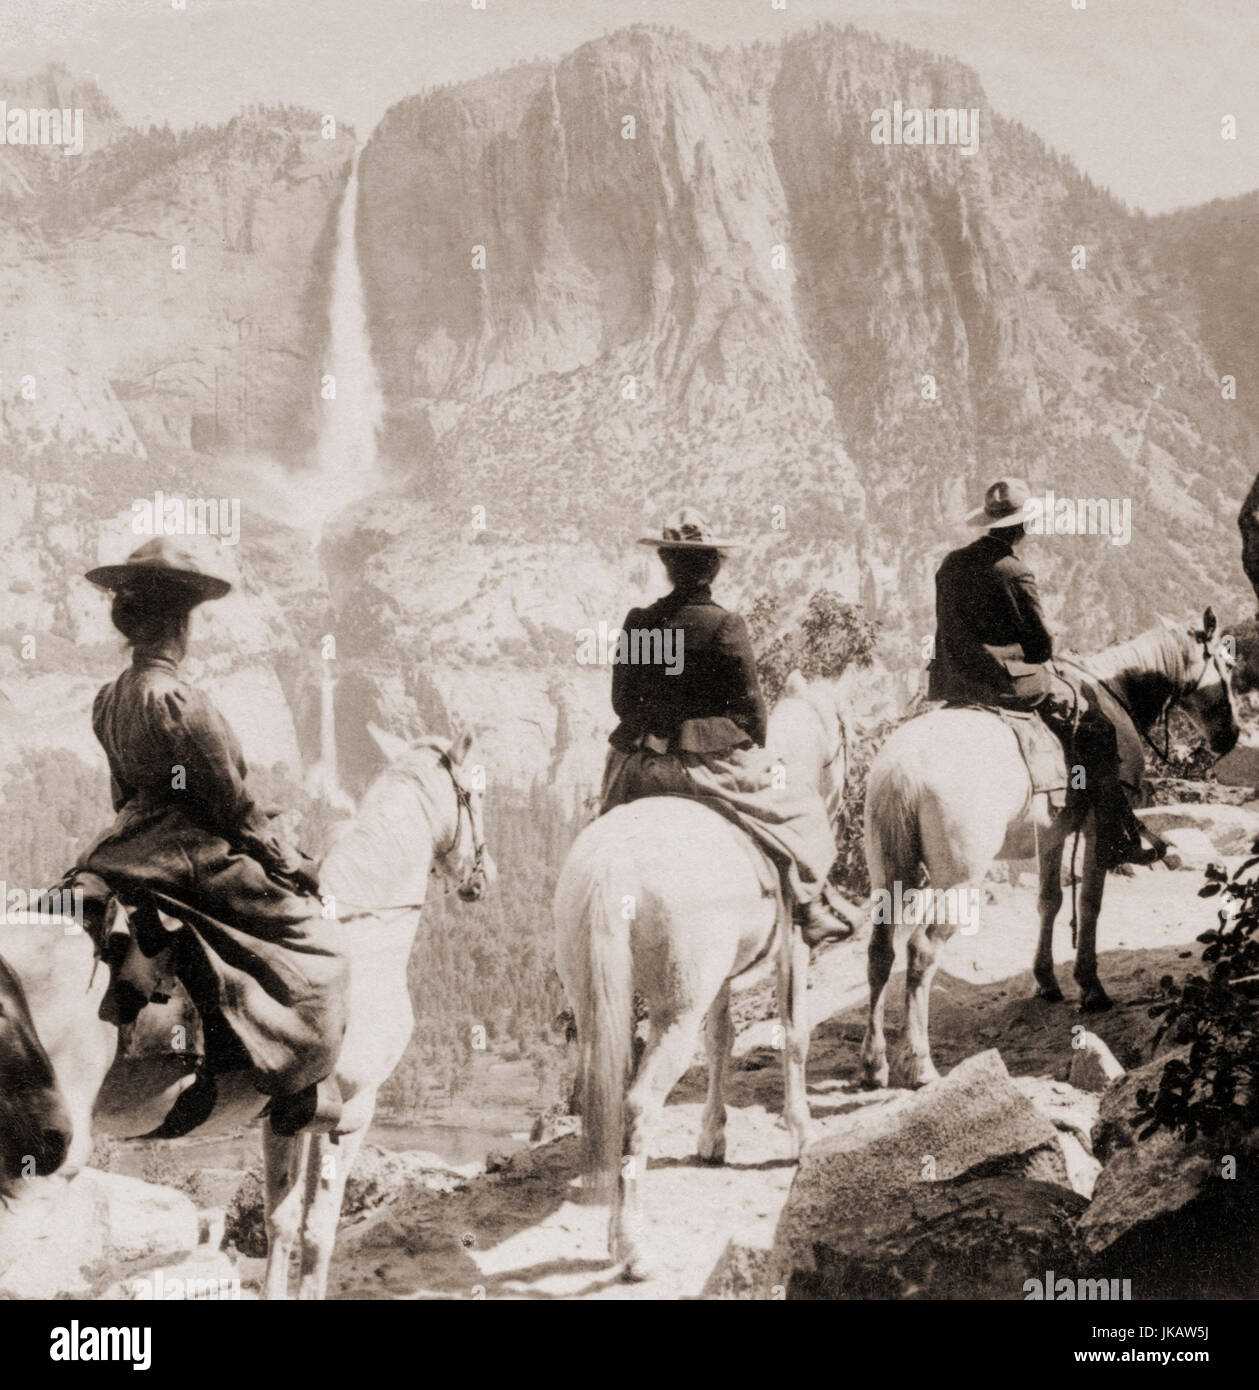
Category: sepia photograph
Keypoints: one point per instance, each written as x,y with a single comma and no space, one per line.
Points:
629,666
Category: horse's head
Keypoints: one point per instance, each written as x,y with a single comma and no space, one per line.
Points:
35,1129
809,727
1208,698
458,791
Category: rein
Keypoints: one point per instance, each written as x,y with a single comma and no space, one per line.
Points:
1209,659
1164,714
463,802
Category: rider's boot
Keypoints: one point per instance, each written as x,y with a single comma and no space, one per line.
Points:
820,922
1120,832
314,1110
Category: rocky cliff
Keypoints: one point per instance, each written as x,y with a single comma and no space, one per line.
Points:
646,273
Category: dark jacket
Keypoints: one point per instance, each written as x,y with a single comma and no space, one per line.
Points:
267,973
713,703
991,639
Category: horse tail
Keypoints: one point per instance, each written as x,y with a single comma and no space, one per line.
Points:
892,834
605,1023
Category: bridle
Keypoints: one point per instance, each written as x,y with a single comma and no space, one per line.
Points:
841,751
1211,657
463,804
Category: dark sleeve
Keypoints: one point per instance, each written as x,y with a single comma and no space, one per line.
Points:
745,703
627,688
214,778
1037,643
119,792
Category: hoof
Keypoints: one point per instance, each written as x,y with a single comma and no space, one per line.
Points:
1096,1002
800,1140
716,1158
1051,994
874,1078
634,1271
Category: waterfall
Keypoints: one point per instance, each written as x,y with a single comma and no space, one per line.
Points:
323,780
346,463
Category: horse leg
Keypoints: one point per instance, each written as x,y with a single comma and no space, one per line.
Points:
793,1008
1093,998
327,1168
282,1161
920,969
880,956
1049,901
670,1047
720,1038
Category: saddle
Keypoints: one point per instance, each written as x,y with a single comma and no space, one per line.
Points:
1042,752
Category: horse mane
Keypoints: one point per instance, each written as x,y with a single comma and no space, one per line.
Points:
1146,669
376,846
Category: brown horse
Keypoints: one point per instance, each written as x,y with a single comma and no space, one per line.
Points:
35,1127
950,791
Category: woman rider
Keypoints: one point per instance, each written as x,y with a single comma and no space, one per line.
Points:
264,968
696,726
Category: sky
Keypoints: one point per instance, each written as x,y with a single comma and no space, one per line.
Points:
1133,90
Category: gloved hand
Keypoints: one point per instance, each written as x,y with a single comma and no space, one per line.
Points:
301,871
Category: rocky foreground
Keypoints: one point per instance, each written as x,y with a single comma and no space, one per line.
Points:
1022,1160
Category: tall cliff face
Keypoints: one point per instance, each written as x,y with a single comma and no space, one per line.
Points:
934,319
646,274
170,296
122,373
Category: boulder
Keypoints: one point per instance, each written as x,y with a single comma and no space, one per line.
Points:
210,1276
742,1271
976,1238
1093,1064
1168,1214
973,1123
1114,1129
67,1238
1240,768
1228,830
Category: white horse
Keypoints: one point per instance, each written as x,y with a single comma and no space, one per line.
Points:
662,897
949,790
422,814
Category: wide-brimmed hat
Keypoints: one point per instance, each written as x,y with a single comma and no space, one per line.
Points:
688,529
160,561
1004,504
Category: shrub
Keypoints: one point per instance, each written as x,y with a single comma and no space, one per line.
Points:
1212,1089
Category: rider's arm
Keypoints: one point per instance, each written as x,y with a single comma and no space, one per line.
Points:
119,792
627,691
1038,644
745,703
214,779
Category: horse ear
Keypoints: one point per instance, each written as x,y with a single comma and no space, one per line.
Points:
795,685
460,747
389,744
1209,624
